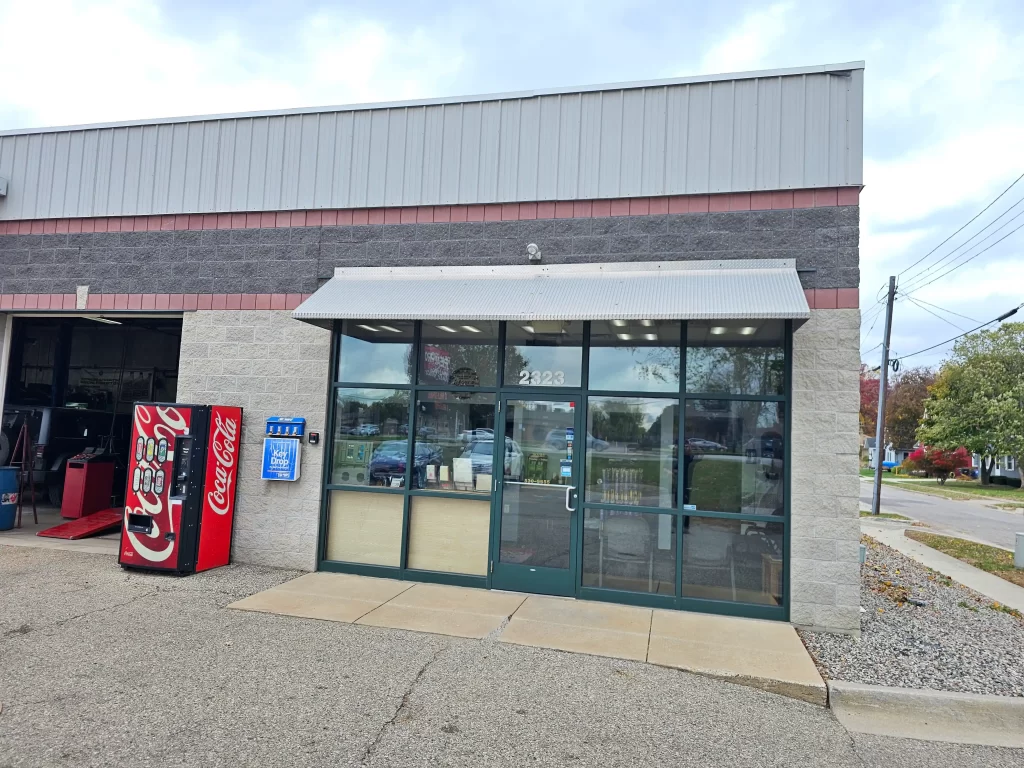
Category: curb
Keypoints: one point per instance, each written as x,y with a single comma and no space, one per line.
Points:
961,718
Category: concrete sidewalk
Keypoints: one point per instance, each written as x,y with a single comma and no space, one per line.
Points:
991,586
761,654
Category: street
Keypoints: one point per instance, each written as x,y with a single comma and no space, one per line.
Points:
100,667
975,518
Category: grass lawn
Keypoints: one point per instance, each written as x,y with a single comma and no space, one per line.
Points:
992,559
963,489
886,515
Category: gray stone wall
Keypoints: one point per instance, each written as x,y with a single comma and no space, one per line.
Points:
825,484
824,242
270,365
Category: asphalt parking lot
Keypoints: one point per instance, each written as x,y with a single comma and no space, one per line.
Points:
101,667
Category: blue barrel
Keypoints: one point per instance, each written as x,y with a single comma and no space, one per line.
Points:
8,497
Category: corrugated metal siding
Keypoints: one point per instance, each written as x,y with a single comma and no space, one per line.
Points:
757,133
738,289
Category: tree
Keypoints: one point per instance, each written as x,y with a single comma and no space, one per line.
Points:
938,463
905,406
977,400
868,401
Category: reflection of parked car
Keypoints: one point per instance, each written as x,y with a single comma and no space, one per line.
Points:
482,454
58,434
556,441
472,435
700,445
367,429
388,462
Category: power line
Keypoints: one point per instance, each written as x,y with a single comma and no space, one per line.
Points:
972,258
935,265
992,234
965,333
943,309
933,250
863,354
933,314
877,315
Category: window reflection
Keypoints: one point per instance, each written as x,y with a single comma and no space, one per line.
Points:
734,560
734,456
635,355
632,451
455,437
737,357
544,353
371,432
459,353
633,551
376,351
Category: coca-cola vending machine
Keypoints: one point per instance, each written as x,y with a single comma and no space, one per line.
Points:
180,498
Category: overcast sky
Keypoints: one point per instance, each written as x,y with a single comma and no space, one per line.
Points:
944,123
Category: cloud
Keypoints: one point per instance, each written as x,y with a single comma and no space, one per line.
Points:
757,37
117,59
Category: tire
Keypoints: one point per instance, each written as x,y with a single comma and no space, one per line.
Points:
55,491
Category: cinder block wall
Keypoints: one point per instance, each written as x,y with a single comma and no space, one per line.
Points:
271,365
825,509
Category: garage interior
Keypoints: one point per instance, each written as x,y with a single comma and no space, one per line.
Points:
73,381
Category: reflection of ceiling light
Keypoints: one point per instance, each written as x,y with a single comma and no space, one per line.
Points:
471,329
390,328
106,320
528,328
646,323
651,336
747,330
367,327
446,328
718,330
619,323
625,336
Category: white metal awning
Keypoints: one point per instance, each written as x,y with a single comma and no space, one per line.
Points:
675,290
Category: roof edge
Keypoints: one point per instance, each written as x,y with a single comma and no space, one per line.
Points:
470,272
837,69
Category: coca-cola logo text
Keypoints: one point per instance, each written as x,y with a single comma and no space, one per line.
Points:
225,452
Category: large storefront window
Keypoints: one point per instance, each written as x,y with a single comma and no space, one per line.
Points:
632,451
738,358
375,352
460,354
455,441
620,461
634,355
371,435
544,353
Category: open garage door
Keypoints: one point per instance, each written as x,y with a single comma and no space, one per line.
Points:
73,381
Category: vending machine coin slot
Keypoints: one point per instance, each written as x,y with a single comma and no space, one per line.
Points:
181,476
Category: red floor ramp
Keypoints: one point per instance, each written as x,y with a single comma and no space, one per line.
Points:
84,527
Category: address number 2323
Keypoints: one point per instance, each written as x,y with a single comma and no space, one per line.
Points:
541,378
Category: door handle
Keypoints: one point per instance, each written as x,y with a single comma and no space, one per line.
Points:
568,492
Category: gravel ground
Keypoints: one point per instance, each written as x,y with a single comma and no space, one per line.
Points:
957,641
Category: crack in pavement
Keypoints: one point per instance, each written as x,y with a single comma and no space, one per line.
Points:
372,746
69,619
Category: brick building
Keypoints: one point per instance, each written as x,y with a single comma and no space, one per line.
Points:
640,299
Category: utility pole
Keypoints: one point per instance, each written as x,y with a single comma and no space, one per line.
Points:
883,385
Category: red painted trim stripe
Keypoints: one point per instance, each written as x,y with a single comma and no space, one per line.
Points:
817,298
561,209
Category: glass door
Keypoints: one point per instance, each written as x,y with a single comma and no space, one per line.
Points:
534,547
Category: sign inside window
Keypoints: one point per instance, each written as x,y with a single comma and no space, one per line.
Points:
541,378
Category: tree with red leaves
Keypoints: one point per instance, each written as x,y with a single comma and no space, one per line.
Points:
937,463
868,401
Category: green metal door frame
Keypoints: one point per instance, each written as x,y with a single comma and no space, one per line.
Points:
528,578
